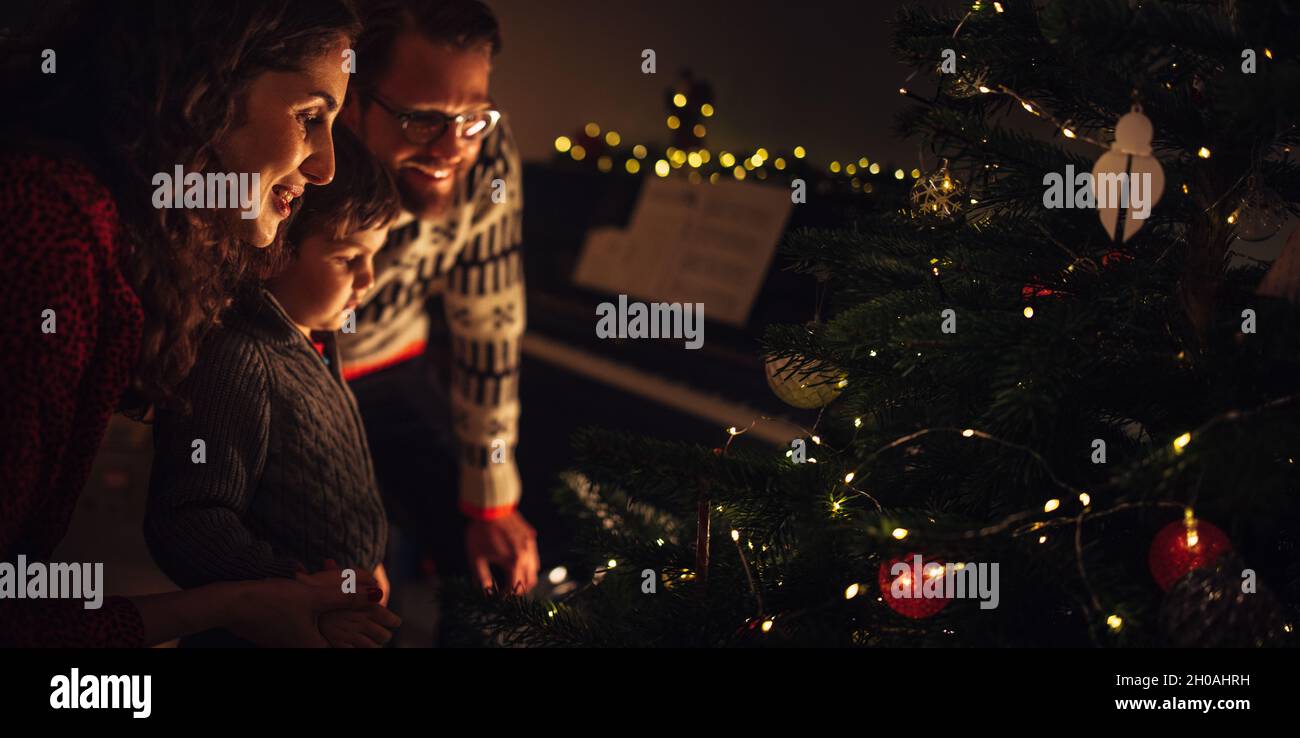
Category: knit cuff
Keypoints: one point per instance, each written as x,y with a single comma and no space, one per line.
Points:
489,492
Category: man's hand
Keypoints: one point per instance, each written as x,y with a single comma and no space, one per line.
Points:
509,542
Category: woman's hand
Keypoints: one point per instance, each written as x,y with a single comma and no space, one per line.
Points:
285,612
370,628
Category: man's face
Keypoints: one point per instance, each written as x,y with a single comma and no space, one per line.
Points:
424,76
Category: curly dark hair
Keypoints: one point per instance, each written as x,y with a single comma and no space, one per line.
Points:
141,87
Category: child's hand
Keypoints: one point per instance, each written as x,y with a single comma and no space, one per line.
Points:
332,576
369,628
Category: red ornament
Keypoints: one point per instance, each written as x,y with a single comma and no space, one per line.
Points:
1182,546
906,595
1034,289
1114,256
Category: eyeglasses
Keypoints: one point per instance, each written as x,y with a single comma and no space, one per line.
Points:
425,126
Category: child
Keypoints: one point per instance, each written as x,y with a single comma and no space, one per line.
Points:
269,474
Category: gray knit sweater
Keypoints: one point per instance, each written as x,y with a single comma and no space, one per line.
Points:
287,477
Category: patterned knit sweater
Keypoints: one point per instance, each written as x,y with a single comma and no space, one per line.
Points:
472,257
286,478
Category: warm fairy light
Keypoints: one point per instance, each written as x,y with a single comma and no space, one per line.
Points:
694,159
779,163
1204,153
704,155
738,173
562,144
898,174
1028,311
1051,505
612,563
842,384
735,535
1042,539
659,541
732,430
726,159
699,130
902,90
604,163
578,153
679,100
799,152
857,422
557,575
835,505
934,271
1068,133
851,591
862,163
632,166
872,352
767,625
900,533
817,440
1181,442
984,89
874,168
850,168
1115,622
756,160
612,138
761,154
1028,107
835,166
1185,188
674,122
639,151
997,6
1268,52
1189,521
968,432
706,110
662,168
916,173
591,129
848,478
1085,499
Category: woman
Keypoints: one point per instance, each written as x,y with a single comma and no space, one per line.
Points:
109,295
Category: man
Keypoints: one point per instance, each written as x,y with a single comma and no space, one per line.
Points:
419,99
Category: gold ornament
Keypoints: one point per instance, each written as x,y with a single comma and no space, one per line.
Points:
800,386
937,195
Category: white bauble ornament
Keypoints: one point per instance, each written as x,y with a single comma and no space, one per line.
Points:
1130,155
802,387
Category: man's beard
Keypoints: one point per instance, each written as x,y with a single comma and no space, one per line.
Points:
425,203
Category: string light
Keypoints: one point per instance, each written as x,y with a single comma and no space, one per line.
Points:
1085,499
1189,521
1181,442
612,563
735,535
1115,622
851,591
848,478
706,110
699,130
679,100
1051,505
612,138
563,144
1204,153
592,130
639,151
1028,312
632,166
674,122
968,433
767,625
799,152
662,168
900,533
1042,539
578,153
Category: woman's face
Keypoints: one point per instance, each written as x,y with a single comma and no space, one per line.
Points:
285,138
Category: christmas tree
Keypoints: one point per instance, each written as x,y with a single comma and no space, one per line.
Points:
1083,409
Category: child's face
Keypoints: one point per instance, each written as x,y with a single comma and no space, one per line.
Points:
328,278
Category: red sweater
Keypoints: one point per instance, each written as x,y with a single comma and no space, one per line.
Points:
62,244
